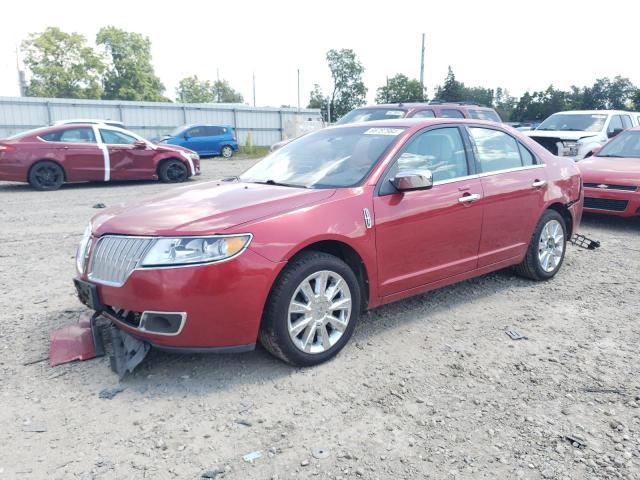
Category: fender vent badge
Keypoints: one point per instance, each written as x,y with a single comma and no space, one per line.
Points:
367,218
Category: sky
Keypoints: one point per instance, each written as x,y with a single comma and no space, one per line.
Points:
518,45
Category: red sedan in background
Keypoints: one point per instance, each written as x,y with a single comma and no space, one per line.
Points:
50,156
341,220
612,176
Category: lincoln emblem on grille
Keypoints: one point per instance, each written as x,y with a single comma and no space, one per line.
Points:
603,185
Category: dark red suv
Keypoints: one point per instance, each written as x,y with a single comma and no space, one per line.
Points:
420,110
341,220
48,157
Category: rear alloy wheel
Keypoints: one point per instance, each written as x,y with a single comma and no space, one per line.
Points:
312,310
227,151
46,175
547,248
173,171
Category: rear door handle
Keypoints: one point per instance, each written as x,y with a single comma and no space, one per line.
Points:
469,198
539,183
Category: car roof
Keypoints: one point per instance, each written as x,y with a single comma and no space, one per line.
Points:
593,112
85,120
411,105
190,125
418,122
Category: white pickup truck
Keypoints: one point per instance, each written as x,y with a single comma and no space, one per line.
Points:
575,133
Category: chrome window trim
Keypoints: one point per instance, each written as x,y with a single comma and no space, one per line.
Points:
153,239
487,174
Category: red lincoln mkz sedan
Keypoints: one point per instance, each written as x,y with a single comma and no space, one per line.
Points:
338,221
612,176
48,157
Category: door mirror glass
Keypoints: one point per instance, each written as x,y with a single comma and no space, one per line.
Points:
140,144
614,132
413,180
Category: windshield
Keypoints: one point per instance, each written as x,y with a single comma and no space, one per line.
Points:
583,122
27,133
177,130
329,158
626,144
369,114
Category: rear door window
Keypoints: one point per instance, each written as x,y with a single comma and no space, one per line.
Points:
451,113
425,114
626,121
495,150
71,135
484,115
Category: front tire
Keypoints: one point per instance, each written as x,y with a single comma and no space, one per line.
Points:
547,248
312,310
227,151
173,171
46,175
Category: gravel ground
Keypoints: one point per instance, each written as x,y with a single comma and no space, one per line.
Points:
429,387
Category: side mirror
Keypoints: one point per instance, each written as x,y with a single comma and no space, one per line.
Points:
141,144
185,136
615,132
413,180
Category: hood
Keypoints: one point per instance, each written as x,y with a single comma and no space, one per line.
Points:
563,134
608,170
165,147
204,209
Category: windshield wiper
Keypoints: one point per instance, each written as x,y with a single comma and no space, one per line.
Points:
281,184
614,156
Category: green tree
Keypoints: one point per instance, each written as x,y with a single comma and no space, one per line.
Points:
451,90
400,88
223,93
318,100
504,103
348,88
61,65
194,90
129,75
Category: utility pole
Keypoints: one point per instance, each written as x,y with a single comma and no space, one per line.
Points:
422,65
254,89
22,80
298,89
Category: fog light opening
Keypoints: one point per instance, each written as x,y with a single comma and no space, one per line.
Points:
162,323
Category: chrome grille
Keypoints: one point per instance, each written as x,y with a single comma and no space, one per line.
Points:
115,257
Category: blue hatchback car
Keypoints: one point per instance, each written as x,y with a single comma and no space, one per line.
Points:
205,139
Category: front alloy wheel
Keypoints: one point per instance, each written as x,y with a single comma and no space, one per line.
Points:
312,309
319,312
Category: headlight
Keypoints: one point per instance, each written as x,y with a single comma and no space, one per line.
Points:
570,148
193,156
192,250
83,250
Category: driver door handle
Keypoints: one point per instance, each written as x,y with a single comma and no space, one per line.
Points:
469,198
539,183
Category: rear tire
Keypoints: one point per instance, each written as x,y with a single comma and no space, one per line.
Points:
46,175
226,152
547,248
173,171
312,310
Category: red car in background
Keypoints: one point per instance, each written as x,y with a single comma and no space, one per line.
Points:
611,176
343,219
48,157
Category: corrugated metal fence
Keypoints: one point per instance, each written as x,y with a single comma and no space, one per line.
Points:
266,125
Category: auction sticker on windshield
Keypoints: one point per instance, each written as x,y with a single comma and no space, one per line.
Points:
384,131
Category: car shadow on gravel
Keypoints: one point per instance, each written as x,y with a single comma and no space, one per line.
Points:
609,222
26,188
162,374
